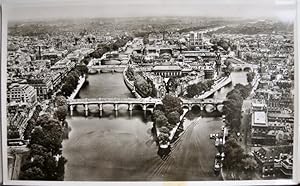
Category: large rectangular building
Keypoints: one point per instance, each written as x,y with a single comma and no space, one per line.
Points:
22,93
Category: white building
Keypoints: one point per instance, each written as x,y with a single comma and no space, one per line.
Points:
22,93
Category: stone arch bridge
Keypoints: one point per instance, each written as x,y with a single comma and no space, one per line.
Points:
209,105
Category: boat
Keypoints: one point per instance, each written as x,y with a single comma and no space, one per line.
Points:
217,164
164,145
92,71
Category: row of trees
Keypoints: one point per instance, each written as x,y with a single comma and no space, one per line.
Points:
145,87
199,88
103,48
45,161
166,117
237,162
71,81
233,105
228,69
222,42
130,74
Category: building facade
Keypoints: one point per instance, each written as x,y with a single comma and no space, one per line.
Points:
22,93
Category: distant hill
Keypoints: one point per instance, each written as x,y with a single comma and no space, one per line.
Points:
258,27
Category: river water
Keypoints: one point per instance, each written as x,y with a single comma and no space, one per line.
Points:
120,146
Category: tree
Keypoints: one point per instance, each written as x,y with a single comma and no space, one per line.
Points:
250,76
33,173
250,166
172,85
61,168
60,101
232,110
130,74
192,90
161,121
61,113
234,154
173,117
36,149
235,95
29,128
12,131
49,136
244,90
143,86
165,130
171,104
43,119
156,114
163,138
224,44
115,47
82,69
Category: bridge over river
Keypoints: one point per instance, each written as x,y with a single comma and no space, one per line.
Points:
208,105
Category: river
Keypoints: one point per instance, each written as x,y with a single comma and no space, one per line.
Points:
121,147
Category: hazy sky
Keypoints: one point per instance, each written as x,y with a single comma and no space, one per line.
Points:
42,9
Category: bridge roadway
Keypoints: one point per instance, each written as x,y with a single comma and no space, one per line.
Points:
207,104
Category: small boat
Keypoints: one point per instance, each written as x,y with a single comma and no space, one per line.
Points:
92,71
217,165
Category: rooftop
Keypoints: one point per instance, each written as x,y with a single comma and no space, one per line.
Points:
163,68
260,118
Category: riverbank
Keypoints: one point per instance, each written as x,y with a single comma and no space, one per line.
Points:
220,84
172,131
130,85
81,81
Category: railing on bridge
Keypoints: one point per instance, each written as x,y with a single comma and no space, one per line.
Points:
131,102
138,100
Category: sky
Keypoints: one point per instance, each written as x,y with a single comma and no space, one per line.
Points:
49,9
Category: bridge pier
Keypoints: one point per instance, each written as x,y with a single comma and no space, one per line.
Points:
100,110
201,107
130,107
116,107
71,110
86,110
145,111
144,107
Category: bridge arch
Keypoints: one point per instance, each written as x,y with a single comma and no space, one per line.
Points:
220,108
186,106
210,108
247,69
196,107
238,69
158,106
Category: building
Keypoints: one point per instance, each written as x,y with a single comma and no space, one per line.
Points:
196,38
56,78
260,131
22,93
167,71
43,86
276,161
209,72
